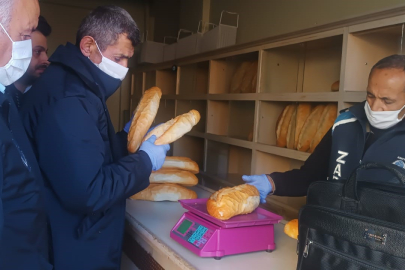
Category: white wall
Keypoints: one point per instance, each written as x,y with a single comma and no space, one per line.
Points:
264,18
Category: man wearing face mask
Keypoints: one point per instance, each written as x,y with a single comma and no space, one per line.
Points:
87,176
372,131
38,64
23,227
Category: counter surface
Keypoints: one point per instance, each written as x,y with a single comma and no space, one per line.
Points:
154,220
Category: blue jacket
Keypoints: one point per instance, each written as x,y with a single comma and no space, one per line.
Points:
23,226
346,145
88,175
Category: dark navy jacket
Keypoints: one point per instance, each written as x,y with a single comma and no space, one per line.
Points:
23,227
341,150
87,174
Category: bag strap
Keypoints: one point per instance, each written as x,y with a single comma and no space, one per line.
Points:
350,198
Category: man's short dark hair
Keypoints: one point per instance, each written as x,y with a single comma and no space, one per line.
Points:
105,24
393,61
43,27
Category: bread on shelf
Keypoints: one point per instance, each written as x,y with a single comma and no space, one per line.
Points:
229,202
181,163
173,176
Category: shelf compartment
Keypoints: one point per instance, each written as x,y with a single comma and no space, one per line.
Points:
366,48
166,111
184,106
223,70
311,66
137,84
265,163
241,119
268,116
193,78
191,147
218,117
228,162
166,80
150,79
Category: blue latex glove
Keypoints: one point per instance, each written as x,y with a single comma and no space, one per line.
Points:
128,125
261,182
156,153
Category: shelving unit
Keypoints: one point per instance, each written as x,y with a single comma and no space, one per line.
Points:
236,133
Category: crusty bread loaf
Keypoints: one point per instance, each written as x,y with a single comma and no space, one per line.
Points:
282,125
325,123
303,111
309,129
175,128
251,71
335,86
229,202
291,130
291,228
164,192
173,176
181,163
145,113
237,77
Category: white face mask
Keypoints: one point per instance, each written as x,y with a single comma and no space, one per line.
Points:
111,68
383,119
19,62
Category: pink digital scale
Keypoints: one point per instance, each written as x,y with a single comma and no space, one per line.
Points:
207,236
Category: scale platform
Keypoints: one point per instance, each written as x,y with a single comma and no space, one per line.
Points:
207,236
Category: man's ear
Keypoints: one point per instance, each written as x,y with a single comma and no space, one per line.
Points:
87,45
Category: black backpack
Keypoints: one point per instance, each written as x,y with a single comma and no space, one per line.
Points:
353,224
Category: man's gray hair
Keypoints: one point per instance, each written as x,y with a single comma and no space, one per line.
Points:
105,24
6,8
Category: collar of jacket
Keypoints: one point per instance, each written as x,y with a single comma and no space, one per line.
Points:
100,83
358,111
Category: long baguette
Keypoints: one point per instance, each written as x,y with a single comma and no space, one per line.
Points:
282,125
182,163
309,129
145,113
325,123
165,192
229,202
173,176
175,128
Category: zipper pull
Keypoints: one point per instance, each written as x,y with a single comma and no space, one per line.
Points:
306,249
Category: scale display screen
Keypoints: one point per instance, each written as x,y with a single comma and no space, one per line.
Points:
184,226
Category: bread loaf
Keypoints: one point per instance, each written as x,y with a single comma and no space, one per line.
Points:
182,163
229,202
145,113
165,192
309,129
173,176
291,229
303,111
325,123
237,77
282,125
335,86
174,129
291,130
251,71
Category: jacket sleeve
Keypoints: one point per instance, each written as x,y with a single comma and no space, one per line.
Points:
72,152
296,182
122,139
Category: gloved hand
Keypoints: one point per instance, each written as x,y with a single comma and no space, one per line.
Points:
261,182
128,125
156,153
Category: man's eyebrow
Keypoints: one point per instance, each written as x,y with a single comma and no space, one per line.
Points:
124,56
39,48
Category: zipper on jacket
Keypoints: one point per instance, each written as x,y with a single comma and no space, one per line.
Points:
339,254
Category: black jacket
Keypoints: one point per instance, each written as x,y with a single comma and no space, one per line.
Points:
15,94
345,146
23,227
87,174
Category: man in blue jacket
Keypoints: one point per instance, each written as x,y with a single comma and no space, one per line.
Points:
88,175
23,228
372,131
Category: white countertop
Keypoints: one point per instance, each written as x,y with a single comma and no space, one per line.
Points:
154,220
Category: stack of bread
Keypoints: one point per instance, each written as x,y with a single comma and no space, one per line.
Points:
244,79
170,182
302,126
177,172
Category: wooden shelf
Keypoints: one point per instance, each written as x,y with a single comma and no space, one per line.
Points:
357,96
241,120
137,84
300,97
191,147
193,78
230,141
283,152
166,111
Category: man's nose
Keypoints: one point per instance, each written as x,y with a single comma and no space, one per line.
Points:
377,105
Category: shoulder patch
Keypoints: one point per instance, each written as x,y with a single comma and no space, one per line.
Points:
344,118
